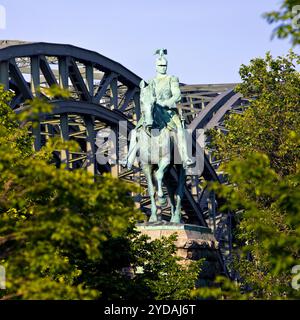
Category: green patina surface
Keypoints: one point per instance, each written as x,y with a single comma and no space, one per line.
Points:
158,101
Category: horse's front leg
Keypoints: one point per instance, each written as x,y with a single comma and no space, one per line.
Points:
159,175
147,172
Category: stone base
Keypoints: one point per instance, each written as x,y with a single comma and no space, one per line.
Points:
193,243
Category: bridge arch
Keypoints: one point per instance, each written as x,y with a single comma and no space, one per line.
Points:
104,92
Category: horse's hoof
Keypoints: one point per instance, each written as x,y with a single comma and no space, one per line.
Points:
162,201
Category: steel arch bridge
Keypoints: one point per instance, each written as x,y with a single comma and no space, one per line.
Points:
103,92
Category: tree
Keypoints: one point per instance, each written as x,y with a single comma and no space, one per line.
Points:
65,235
261,156
289,21
155,270
271,124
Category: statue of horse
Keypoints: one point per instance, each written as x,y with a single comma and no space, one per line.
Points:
154,142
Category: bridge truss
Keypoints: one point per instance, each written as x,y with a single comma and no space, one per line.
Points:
102,93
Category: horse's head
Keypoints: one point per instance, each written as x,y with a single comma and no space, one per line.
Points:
147,99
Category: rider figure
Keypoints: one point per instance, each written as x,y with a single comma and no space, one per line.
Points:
167,93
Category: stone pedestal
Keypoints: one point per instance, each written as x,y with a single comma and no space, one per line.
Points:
193,243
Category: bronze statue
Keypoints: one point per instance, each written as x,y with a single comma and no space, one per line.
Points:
159,129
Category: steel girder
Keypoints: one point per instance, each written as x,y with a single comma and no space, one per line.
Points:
64,50
212,114
103,93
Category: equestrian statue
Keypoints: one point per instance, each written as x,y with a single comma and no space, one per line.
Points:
159,140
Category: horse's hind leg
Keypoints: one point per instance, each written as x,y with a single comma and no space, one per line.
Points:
176,217
171,194
151,191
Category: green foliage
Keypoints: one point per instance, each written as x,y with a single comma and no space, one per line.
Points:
51,217
223,289
272,124
268,234
65,235
164,273
261,156
154,269
284,18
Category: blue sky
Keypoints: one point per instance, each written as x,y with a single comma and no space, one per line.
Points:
207,41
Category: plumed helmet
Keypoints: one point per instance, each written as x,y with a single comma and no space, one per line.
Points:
161,60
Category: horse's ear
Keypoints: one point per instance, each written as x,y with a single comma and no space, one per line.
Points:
142,84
